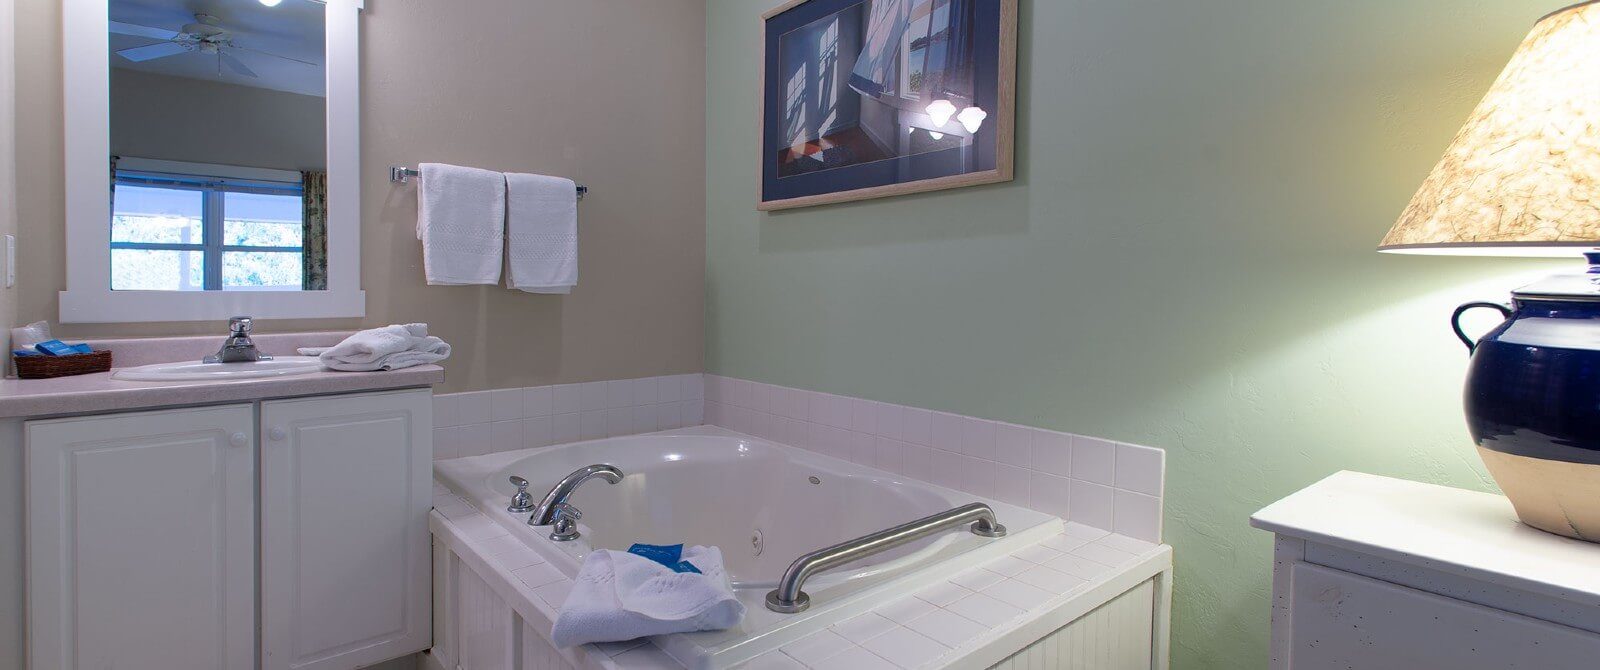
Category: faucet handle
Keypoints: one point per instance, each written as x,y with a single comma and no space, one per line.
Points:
564,524
521,501
568,512
240,325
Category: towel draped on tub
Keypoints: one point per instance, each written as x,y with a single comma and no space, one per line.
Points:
622,596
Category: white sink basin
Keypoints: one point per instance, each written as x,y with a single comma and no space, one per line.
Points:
193,370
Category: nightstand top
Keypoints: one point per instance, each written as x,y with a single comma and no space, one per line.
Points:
1473,534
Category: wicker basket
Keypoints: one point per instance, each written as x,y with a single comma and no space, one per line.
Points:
45,367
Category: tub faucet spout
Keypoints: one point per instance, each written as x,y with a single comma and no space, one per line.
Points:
555,511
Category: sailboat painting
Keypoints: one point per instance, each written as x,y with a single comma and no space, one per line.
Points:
873,98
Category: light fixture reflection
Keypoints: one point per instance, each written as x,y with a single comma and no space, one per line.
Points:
271,3
940,111
936,135
972,118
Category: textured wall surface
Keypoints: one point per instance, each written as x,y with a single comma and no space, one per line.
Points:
608,92
1185,260
182,119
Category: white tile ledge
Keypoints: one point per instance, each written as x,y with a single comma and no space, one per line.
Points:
1080,569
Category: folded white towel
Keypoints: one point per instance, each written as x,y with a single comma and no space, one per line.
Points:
622,596
541,233
461,220
386,348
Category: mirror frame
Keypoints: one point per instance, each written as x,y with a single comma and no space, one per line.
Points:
87,143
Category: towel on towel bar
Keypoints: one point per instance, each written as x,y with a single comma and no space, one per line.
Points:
386,348
541,233
461,220
622,596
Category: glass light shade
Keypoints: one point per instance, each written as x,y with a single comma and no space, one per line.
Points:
271,3
941,111
1522,177
972,118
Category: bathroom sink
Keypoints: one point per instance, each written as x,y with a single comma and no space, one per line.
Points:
195,370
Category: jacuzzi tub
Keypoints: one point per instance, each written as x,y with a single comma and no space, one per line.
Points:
762,504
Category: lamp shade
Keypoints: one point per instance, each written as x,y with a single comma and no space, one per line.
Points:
1522,177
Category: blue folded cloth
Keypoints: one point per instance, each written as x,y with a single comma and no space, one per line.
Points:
670,555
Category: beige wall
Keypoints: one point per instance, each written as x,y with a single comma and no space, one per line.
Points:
608,92
184,119
11,598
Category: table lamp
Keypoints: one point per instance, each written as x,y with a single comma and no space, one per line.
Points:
1522,178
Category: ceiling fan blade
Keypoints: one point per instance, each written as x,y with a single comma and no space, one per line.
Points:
264,53
137,30
235,65
152,52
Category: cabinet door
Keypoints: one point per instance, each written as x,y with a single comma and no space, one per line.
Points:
346,485
141,540
1340,621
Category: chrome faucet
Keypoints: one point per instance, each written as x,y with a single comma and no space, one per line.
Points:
555,511
238,348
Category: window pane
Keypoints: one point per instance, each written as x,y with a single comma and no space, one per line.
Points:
157,270
247,270
261,220
161,215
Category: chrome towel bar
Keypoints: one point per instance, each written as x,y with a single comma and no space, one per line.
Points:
788,598
401,175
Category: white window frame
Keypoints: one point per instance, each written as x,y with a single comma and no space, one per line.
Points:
89,298
214,181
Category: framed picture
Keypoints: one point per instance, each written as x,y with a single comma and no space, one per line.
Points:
871,98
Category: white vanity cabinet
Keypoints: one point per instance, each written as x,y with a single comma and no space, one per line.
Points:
346,485
155,508
163,509
1385,574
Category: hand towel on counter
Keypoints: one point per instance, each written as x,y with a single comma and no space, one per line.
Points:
461,218
541,233
622,596
386,348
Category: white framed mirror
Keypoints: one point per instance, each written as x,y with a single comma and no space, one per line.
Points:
212,160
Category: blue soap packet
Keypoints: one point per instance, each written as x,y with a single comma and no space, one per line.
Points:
670,555
24,352
59,348
54,348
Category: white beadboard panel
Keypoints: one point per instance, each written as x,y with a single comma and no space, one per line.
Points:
482,422
1115,636
538,654
1107,484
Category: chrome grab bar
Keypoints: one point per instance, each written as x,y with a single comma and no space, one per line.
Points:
788,598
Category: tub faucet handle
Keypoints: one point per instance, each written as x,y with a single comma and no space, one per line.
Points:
565,524
521,501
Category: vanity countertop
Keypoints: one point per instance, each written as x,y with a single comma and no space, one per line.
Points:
98,392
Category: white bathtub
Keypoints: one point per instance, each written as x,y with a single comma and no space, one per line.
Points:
762,503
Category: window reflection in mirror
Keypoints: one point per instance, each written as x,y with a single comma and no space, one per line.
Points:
219,163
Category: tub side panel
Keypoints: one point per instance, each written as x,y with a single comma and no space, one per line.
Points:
539,654
1114,636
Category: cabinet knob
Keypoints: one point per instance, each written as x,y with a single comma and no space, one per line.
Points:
238,439
276,434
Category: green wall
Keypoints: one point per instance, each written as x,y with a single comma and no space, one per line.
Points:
1185,260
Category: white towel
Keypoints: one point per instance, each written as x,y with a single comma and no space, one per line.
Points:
622,596
461,220
386,348
541,233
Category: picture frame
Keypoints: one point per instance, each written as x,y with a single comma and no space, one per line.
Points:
865,99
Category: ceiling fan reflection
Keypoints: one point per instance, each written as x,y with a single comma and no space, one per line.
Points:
205,36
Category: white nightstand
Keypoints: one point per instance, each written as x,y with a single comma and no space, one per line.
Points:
1377,573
